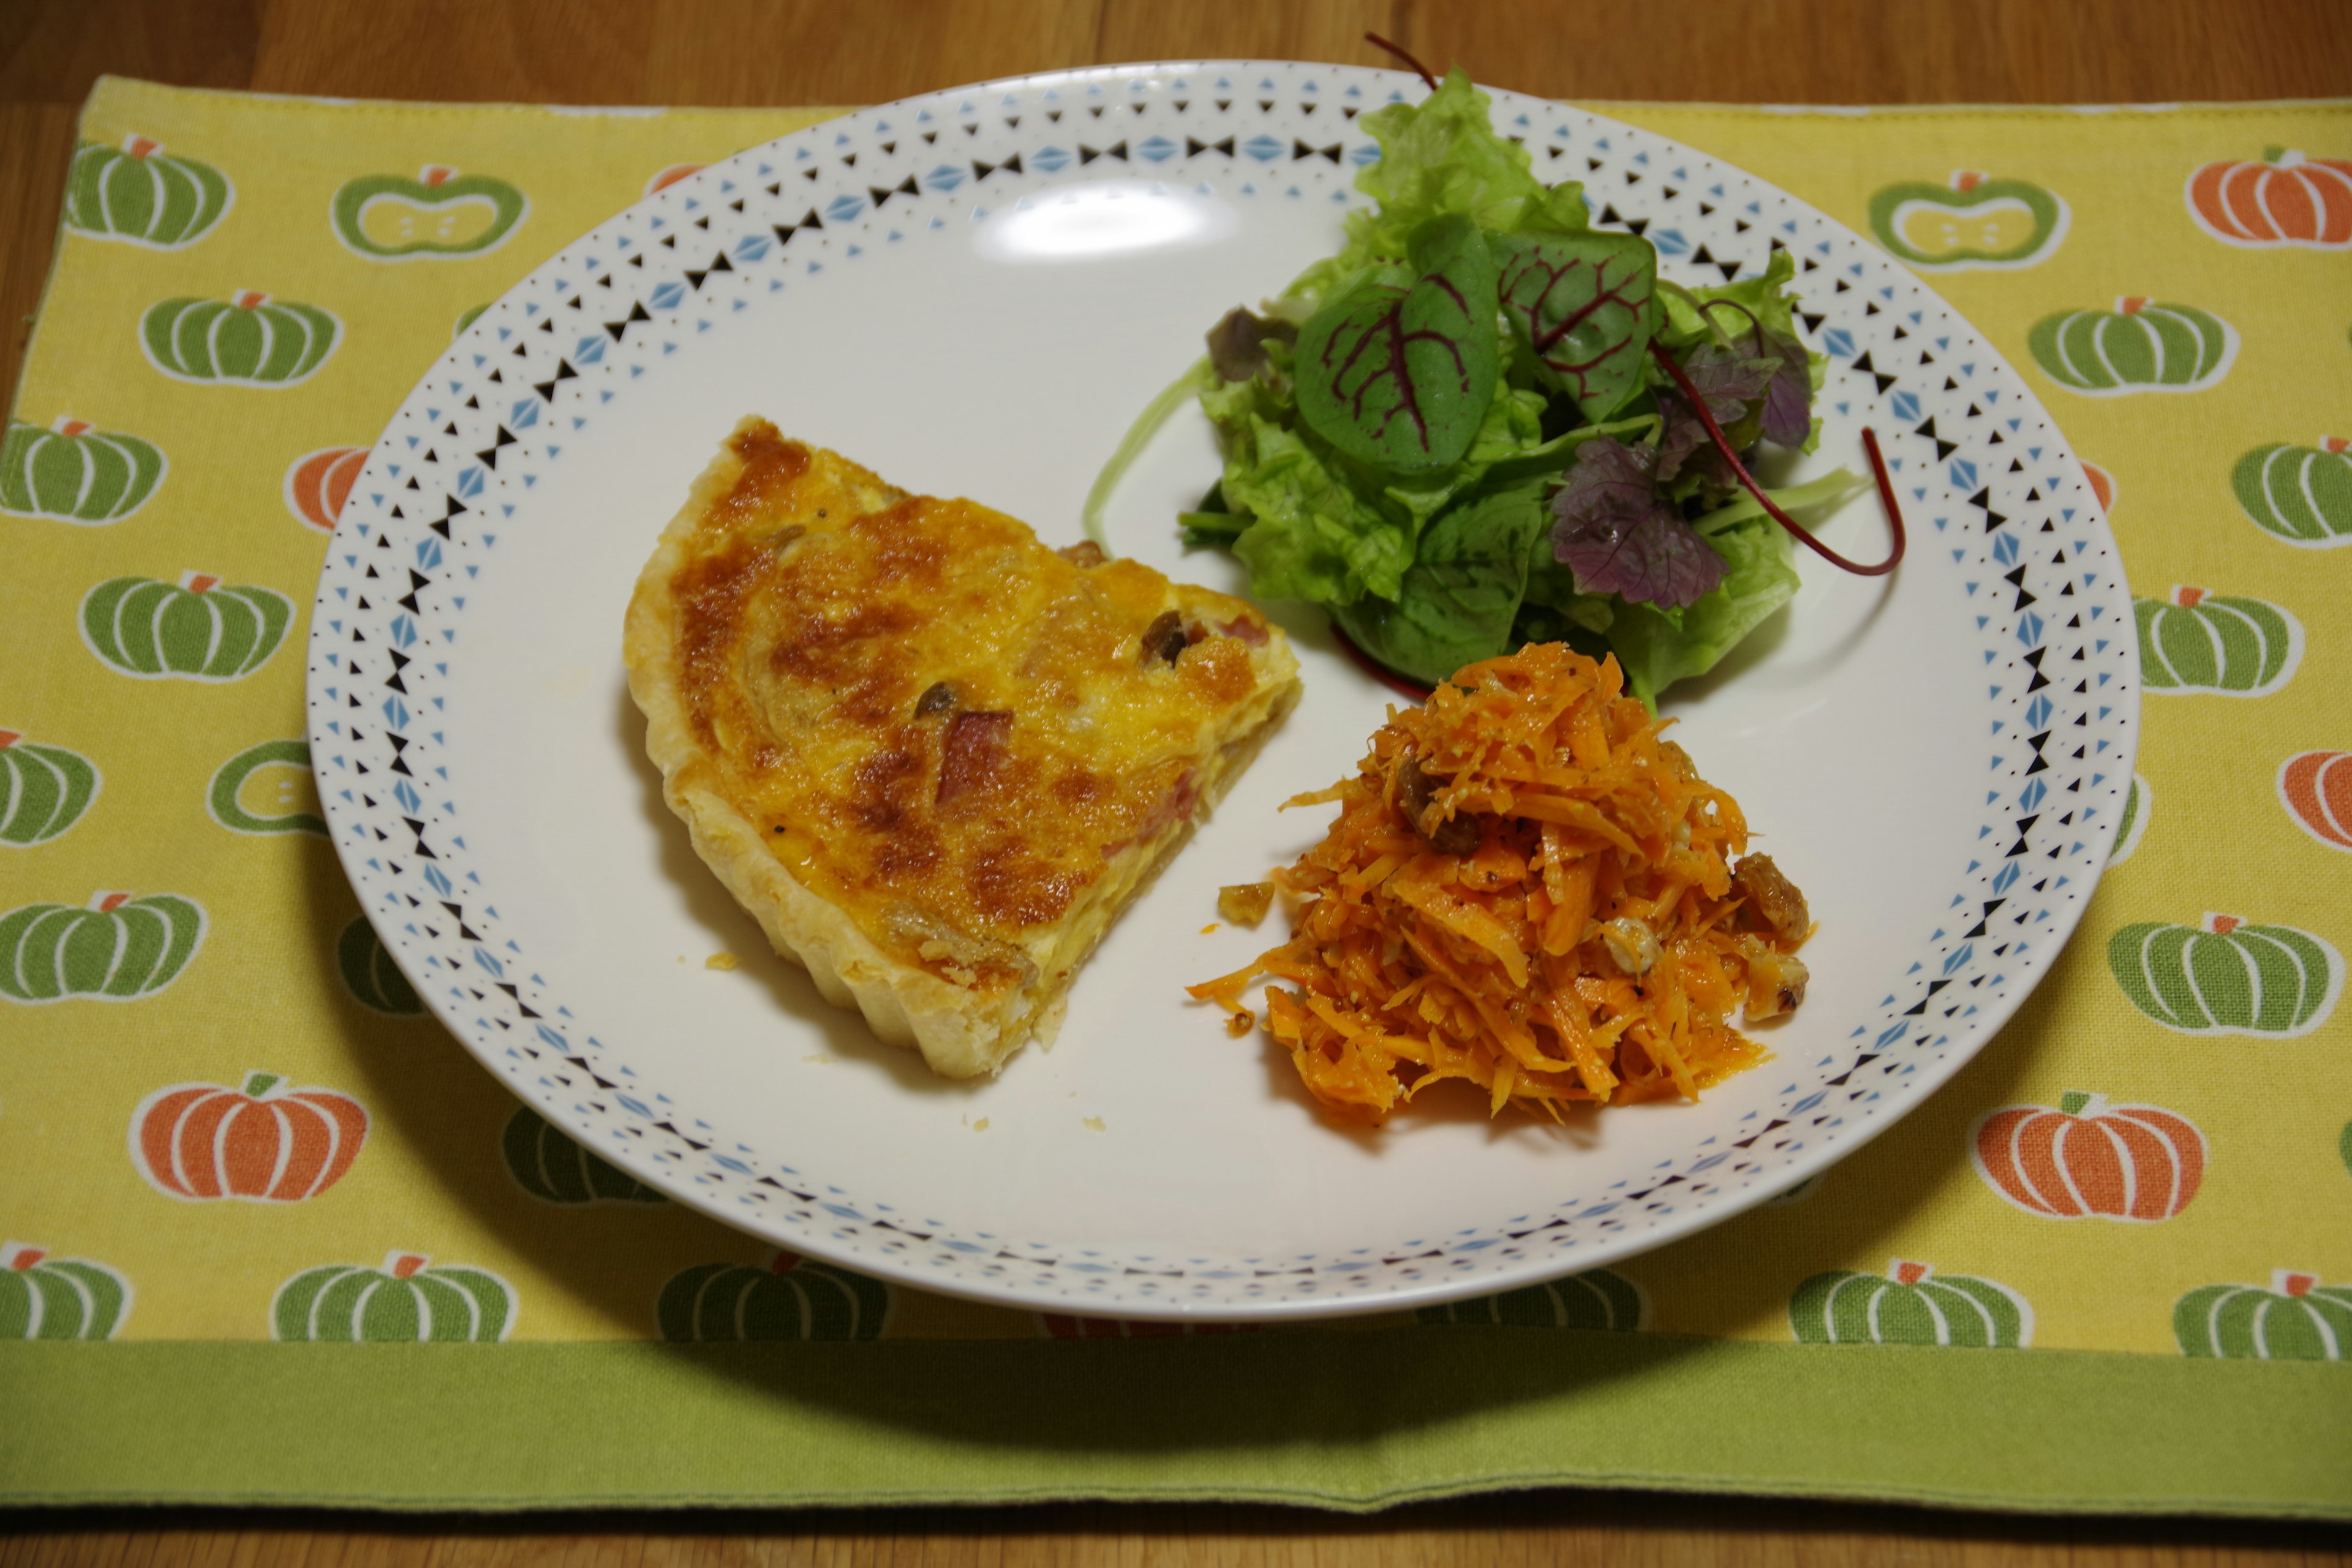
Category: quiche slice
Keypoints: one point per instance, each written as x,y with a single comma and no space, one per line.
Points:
932,756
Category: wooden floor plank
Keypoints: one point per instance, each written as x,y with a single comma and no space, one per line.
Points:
628,52
1533,1531
52,51
36,143
1923,51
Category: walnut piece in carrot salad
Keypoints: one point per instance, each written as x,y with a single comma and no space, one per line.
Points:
1526,889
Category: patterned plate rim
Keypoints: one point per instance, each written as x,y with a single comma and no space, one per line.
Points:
2010,503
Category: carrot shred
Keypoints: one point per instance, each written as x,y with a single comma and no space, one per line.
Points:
1590,950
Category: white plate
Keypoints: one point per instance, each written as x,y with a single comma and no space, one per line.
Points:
974,293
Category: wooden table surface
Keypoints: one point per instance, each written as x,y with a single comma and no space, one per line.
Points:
863,51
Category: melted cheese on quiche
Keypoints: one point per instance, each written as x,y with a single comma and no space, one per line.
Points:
969,747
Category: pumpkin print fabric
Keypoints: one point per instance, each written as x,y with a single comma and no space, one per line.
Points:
1977,221
2282,198
203,630
2085,1158
44,790
263,1142
2298,1318
405,1302
1597,1299
245,290
1909,1305
45,1297
789,1300
74,474
139,195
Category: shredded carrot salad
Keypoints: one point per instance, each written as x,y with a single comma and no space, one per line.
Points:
1527,889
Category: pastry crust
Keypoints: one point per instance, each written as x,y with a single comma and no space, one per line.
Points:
932,756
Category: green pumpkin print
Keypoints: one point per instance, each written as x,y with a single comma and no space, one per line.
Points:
203,629
139,195
246,340
2300,494
789,1300
267,789
370,974
115,949
1910,1305
73,473
1597,1299
1976,221
2139,801
553,1169
406,1301
440,215
2227,977
2214,644
2141,346
2298,1318
45,1297
44,790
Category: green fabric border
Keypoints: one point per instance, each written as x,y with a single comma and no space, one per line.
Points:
1353,1421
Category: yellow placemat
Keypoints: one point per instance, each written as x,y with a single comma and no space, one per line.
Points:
220,1106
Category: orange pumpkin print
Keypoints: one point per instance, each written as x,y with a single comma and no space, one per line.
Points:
2102,485
2284,199
318,483
263,1142
664,179
2316,789
2088,1159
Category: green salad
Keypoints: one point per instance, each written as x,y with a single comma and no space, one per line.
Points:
1485,423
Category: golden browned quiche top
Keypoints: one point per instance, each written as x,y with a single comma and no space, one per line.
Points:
969,745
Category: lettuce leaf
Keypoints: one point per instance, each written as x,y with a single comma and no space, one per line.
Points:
1657,648
1765,296
1320,526
1438,158
1758,579
1462,595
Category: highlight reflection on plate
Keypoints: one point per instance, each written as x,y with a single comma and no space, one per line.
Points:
1097,221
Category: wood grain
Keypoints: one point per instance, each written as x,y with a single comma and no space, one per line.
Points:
35,142
1525,1531
803,51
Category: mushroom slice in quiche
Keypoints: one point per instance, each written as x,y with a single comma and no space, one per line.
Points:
932,756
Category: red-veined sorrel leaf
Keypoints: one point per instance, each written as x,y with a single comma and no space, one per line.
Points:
1586,304
1399,369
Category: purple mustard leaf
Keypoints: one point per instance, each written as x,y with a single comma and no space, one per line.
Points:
1617,535
1237,343
1684,445
1729,381
1788,394
1608,477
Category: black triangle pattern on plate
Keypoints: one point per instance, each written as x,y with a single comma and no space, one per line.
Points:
1968,448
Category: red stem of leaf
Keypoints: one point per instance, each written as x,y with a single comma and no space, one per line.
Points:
1753,324
1373,667
1402,53
1877,467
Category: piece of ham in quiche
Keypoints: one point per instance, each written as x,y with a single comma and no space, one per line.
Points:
932,756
